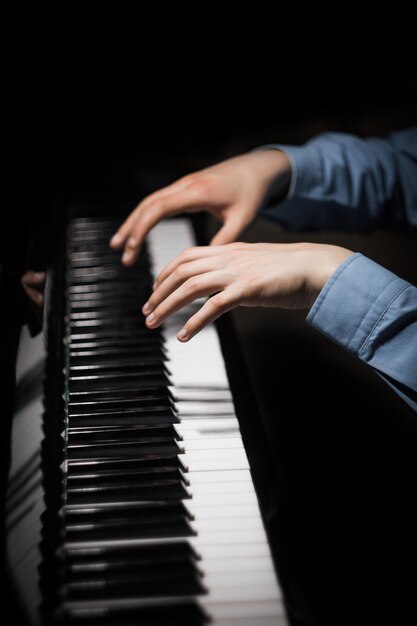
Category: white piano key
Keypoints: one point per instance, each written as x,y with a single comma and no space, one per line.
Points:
248,610
238,564
209,525
212,443
247,592
220,488
235,510
238,454
204,426
186,394
207,464
222,476
204,408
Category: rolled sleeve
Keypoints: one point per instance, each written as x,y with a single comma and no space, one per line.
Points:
372,313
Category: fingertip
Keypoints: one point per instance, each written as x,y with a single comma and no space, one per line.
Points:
128,258
182,335
116,241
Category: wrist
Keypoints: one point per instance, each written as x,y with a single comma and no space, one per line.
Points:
274,171
322,267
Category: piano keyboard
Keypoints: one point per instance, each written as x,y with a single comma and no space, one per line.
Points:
160,519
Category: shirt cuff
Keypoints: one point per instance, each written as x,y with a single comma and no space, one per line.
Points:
353,301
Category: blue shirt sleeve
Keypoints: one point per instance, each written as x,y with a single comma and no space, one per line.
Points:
372,313
340,181
343,182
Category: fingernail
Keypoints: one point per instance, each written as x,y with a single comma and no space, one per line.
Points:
182,334
150,318
126,257
132,242
154,286
146,309
116,239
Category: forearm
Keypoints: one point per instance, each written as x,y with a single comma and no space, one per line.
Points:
339,181
372,313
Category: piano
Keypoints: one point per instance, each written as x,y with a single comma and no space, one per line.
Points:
132,494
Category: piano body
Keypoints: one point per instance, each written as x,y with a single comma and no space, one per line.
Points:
132,494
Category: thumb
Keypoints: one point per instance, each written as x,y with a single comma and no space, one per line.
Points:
228,233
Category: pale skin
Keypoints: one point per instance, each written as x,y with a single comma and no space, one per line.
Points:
229,274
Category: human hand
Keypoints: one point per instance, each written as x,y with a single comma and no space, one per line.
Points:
232,191
33,284
288,276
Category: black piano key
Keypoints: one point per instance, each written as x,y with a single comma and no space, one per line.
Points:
79,276
116,401
116,380
116,334
152,520
79,434
149,490
170,613
104,298
183,582
93,258
138,447
113,288
116,475
123,307
116,323
145,553
151,394
148,416
139,512
114,347
119,362
129,310
123,464
98,353
110,403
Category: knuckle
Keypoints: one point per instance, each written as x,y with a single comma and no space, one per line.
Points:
188,253
192,284
179,273
198,184
217,301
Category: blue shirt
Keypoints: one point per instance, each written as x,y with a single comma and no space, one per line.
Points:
342,181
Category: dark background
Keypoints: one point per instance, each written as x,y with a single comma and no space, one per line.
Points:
117,105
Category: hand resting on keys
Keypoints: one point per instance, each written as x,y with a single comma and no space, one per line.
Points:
288,276
232,191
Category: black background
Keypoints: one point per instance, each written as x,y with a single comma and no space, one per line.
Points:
118,105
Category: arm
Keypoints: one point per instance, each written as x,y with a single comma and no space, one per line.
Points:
342,181
372,313
355,302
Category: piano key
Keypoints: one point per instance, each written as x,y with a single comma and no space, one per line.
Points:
147,490
82,466
175,613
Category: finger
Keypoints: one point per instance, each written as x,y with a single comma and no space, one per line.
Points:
228,233
209,312
34,295
182,273
189,199
123,231
189,254
34,278
193,288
